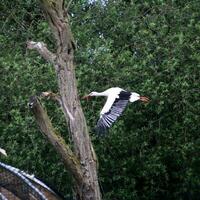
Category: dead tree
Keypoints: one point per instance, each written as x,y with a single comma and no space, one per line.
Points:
81,160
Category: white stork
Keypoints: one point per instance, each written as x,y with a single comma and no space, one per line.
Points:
117,100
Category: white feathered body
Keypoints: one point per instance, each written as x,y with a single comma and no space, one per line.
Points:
112,94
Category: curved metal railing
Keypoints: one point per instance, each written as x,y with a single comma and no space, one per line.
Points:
18,185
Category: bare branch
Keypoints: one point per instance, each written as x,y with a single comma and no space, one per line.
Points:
68,5
42,50
57,98
69,158
52,96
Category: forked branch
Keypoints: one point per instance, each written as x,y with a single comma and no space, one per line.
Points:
57,98
81,162
43,121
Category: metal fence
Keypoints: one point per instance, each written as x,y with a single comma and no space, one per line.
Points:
18,185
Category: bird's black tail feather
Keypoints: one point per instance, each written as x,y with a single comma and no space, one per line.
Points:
101,131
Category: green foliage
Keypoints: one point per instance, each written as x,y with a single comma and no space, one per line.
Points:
150,47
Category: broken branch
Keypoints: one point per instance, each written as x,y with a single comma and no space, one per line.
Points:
52,96
69,158
43,50
57,98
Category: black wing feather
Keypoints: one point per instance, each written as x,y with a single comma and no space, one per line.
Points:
107,119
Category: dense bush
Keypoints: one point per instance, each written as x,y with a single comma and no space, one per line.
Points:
152,152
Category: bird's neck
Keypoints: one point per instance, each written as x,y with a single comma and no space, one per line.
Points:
100,94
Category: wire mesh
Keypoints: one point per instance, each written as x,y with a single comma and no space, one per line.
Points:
17,185
2,197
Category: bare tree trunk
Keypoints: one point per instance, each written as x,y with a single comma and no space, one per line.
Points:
82,160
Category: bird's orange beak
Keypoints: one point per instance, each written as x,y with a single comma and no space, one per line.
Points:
87,97
144,99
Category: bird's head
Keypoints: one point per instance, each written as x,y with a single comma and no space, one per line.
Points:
135,97
89,96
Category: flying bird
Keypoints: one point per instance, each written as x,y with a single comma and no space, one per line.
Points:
117,100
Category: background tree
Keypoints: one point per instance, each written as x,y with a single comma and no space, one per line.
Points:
150,47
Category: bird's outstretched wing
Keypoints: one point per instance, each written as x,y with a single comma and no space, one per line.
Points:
107,119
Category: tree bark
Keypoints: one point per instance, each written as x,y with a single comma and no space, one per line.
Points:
69,159
83,166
